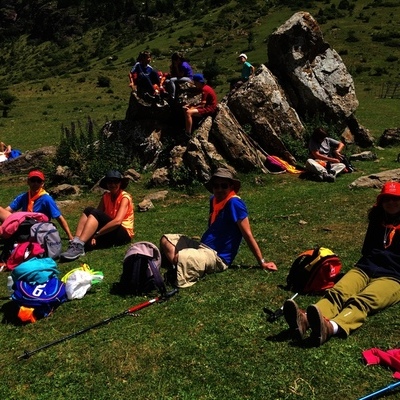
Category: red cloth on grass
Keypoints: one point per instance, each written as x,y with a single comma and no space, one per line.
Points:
389,358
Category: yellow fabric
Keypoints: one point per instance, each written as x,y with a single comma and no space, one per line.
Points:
31,200
111,208
289,168
323,252
217,207
84,267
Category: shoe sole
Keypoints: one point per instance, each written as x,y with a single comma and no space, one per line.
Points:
290,313
315,319
71,258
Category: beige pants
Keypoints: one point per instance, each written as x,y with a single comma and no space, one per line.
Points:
194,260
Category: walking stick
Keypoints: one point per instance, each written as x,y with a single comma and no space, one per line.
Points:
129,311
383,390
274,315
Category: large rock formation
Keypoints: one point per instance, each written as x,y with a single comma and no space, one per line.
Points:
305,76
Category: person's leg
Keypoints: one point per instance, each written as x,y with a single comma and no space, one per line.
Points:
170,86
378,295
334,300
4,214
315,168
189,114
337,168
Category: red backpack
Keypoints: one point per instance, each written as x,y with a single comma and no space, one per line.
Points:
314,271
23,252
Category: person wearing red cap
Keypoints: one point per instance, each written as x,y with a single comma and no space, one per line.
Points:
36,199
372,285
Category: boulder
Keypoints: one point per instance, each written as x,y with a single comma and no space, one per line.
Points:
376,180
390,137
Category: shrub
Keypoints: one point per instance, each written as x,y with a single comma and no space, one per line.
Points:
103,81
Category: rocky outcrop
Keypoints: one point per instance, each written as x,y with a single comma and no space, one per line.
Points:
376,180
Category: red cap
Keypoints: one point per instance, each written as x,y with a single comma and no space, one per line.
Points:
389,189
36,174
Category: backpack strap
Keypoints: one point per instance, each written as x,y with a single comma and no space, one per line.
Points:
158,280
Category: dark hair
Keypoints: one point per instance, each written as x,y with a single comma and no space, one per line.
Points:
178,56
142,55
319,134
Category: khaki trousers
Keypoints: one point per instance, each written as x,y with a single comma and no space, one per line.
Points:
356,296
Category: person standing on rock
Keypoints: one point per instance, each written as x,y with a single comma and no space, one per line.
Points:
206,107
247,72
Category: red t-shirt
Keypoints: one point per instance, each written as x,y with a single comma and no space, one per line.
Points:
208,95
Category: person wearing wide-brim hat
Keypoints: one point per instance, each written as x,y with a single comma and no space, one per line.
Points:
228,224
111,223
372,285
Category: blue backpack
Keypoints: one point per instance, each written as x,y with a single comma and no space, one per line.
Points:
43,298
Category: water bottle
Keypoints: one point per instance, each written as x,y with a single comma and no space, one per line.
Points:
10,284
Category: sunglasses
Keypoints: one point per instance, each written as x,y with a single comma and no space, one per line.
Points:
223,185
113,181
35,180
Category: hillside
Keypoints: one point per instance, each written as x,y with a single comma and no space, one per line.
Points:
54,71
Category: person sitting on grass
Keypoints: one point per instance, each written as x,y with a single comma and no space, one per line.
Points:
325,161
372,285
206,107
228,224
111,223
36,199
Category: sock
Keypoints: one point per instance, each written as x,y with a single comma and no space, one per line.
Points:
335,327
77,240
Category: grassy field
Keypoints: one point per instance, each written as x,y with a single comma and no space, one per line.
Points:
210,341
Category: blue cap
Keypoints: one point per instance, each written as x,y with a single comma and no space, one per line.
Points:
198,78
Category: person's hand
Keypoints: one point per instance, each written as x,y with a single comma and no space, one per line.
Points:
93,242
269,266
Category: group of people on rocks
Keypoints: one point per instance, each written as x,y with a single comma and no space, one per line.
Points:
151,84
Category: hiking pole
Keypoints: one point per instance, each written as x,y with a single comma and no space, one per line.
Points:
383,390
274,315
129,311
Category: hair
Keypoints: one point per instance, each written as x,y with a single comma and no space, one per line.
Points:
178,56
142,55
319,134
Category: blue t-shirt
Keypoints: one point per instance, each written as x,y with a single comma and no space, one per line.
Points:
45,204
224,235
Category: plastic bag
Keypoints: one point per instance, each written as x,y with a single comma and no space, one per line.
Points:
78,283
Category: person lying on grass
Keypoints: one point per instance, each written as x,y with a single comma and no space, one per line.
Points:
111,223
215,252
372,285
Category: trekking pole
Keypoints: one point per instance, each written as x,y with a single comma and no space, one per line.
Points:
129,311
383,390
274,315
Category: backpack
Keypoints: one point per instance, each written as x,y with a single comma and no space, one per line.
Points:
141,270
23,252
43,298
314,271
46,234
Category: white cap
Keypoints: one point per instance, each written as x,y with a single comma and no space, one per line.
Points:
242,55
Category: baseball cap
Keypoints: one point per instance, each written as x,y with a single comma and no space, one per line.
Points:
36,174
198,78
242,55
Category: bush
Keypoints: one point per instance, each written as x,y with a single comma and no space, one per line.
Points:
103,81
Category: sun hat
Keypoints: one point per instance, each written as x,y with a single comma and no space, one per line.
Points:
225,174
36,174
389,189
198,78
113,175
242,55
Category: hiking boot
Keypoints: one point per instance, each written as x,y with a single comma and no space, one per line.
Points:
296,319
74,251
321,328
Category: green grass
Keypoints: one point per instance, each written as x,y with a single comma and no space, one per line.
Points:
210,341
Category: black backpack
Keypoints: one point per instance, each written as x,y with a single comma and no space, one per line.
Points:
141,270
